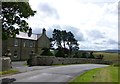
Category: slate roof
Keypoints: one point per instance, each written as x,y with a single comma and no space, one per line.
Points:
25,36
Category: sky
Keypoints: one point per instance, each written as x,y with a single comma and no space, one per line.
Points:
94,23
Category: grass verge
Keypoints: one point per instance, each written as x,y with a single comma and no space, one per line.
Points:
68,64
107,74
62,64
9,72
25,64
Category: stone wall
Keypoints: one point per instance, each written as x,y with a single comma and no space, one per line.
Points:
6,63
49,60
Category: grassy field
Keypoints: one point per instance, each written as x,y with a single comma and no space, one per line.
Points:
107,56
107,74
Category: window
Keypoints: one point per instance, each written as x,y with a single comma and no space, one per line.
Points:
24,44
15,54
31,43
16,42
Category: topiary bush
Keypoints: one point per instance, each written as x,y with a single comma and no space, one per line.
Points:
46,52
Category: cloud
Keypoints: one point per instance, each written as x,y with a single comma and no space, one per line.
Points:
98,1
78,35
92,46
99,45
110,16
93,22
95,34
37,30
112,42
49,32
48,10
76,31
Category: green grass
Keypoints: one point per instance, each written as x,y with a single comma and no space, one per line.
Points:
62,64
25,64
59,64
8,72
107,74
107,56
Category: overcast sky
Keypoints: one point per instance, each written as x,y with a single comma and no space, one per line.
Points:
93,22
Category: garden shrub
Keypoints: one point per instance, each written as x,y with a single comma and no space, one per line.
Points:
46,52
117,64
60,53
76,55
91,55
65,50
84,55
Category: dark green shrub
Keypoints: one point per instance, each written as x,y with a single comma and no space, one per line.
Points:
46,52
28,62
91,55
60,53
116,64
99,56
76,55
65,50
84,55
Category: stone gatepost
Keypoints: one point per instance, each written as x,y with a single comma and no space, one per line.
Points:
0,47
32,59
6,63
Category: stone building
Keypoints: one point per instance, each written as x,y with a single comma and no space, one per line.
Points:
21,46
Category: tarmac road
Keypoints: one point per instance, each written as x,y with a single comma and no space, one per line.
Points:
54,74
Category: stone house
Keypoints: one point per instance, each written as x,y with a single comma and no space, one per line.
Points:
21,46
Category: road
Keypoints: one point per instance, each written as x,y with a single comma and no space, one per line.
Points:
54,74
21,67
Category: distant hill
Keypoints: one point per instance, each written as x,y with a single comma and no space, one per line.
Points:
113,51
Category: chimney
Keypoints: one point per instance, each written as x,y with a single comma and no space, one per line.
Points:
44,31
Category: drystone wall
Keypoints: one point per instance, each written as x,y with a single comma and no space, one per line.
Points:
51,60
